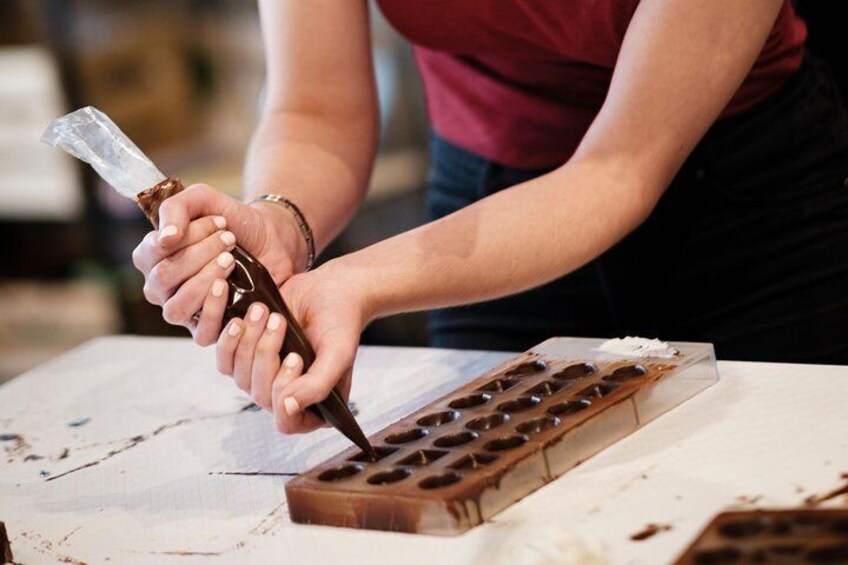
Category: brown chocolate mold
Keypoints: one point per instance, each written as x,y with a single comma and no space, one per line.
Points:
470,454
796,536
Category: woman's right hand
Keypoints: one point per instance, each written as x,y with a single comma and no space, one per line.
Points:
187,261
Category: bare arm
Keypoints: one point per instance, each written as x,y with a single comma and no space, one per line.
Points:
680,63
317,137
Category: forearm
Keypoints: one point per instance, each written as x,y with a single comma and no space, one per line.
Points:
321,163
506,243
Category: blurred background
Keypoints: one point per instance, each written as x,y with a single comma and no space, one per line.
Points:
183,79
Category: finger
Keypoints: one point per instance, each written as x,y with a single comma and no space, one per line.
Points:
190,295
171,272
299,421
211,314
266,361
330,366
227,343
151,250
257,317
195,201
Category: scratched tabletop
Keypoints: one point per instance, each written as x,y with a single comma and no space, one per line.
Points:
133,449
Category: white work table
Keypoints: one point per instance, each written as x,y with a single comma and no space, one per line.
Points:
135,450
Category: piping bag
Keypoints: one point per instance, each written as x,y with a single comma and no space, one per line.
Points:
88,134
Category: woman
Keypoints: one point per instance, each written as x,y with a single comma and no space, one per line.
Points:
664,167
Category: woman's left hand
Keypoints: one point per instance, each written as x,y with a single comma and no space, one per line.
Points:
332,310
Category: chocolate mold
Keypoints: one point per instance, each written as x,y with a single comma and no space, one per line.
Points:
795,536
470,454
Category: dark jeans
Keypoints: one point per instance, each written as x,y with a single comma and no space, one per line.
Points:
748,248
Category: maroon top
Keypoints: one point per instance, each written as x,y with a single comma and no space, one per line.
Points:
519,81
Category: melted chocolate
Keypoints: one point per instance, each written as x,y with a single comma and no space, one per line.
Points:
250,282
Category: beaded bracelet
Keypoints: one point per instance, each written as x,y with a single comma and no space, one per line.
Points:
298,217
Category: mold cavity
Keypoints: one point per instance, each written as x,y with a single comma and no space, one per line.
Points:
537,425
470,401
786,549
339,473
840,527
837,553
597,391
473,461
438,418
743,528
519,404
546,388
487,422
527,368
626,373
577,371
569,407
439,481
452,440
406,436
422,457
381,450
388,477
717,556
810,521
505,443
498,385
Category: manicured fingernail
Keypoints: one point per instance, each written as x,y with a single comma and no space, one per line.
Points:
234,329
167,231
291,360
274,321
255,313
225,259
228,238
292,407
220,222
218,288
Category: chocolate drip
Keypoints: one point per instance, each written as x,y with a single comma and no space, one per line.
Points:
250,282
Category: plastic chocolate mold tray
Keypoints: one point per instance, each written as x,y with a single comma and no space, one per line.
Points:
470,454
772,536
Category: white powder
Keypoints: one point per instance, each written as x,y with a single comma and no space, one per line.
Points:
638,347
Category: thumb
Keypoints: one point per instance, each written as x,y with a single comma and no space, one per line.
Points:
179,210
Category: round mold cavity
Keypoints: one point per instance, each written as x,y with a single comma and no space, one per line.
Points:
627,373
569,407
406,436
422,457
744,528
439,481
519,404
498,385
718,556
840,527
438,418
470,401
382,451
546,388
537,425
388,477
786,549
576,371
487,422
527,368
339,473
597,390
453,440
835,553
473,461
505,443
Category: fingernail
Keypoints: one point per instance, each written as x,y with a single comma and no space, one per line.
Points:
274,321
291,360
292,407
220,222
234,329
255,313
225,259
218,288
228,238
167,231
